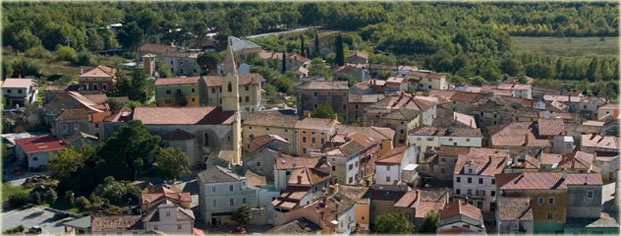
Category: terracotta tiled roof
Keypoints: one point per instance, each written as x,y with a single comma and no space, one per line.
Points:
393,157
73,114
177,81
424,74
395,80
550,158
359,54
460,207
514,208
518,134
550,127
177,134
447,132
423,201
466,97
328,85
97,98
267,55
316,123
465,119
158,48
39,144
115,223
365,98
124,114
260,141
299,58
486,165
377,133
99,72
578,160
544,180
183,115
270,120
17,83
285,163
165,192
452,151
307,176
598,141
243,79
362,139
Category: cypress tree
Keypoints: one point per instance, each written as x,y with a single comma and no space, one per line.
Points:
592,72
316,43
284,62
340,57
301,45
559,67
308,52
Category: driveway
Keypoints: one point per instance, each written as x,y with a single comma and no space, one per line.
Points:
31,217
17,180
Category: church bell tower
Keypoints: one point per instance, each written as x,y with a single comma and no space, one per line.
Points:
230,100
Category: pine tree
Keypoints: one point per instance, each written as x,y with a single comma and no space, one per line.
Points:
308,52
284,62
559,67
340,55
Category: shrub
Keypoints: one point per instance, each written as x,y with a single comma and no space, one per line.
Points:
83,203
36,197
18,199
16,229
26,67
38,52
64,53
83,59
51,196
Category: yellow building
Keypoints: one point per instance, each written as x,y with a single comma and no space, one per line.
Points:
169,90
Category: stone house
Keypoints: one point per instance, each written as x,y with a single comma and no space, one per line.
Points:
474,177
358,103
168,90
397,166
311,94
417,203
462,215
18,92
249,89
97,80
426,80
514,215
357,58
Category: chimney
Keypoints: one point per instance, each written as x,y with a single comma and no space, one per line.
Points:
526,139
81,70
564,174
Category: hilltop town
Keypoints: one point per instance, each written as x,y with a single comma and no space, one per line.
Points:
240,137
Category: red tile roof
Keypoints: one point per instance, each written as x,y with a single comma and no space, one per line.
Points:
177,81
39,144
163,192
550,127
284,163
307,176
99,72
394,157
544,180
359,54
183,115
578,160
243,79
299,58
598,141
466,97
424,201
486,165
158,48
518,134
17,83
460,207
260,141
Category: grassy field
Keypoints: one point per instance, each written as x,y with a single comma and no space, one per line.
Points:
568,46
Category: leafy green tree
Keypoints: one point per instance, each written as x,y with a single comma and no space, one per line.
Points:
19,199
36,197
172,163
24,67
25,40
7,69
208,62
51,196
83,58
180,99
241,215
593,72
511,66
324,111
431,222
130,36
118,192
393,223
138,89
5,151
163,70
68,160
83,203
340,54
65,53
123,153
301,44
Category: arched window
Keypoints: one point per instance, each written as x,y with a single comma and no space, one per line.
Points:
230,87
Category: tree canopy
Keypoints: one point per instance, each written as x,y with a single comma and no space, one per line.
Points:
172,163
324,111
393,223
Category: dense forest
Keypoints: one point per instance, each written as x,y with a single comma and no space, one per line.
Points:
469,41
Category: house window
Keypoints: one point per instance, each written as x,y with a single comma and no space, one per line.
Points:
493,193
492,206
304,139
231,202
493,181
230,188
96,125
457,191
540,200
351,180
247,87
167,91
247,99
469,191
213,203
333,168
178,227
94,87
480,180
315,94
9,91
313,140
469,180
104,86
213,189
458,179
351,166
589,194
388,179
267,129
387,168
550,215
356,106
35,158
551,201
479,204
244,200
168,213
155,227
322,141
258,163
213,90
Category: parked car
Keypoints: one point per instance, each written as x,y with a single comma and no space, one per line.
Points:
35,229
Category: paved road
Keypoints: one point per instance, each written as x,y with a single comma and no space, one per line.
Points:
277,33
31,217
